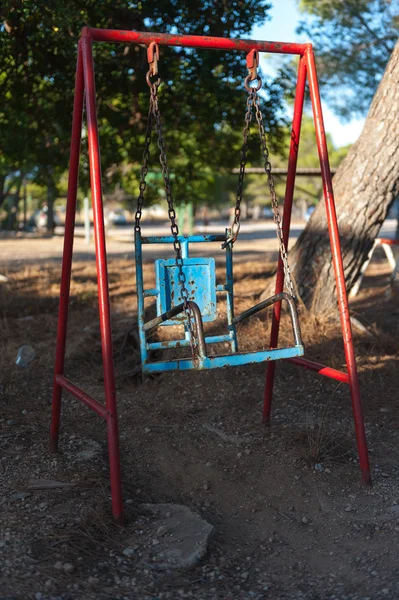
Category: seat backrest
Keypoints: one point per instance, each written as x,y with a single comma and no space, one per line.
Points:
200,283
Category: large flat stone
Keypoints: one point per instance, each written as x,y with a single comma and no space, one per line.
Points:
181,536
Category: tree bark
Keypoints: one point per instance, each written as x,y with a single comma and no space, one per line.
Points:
365,185
13,214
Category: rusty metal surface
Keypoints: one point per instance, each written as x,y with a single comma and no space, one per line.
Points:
200,277
194,41
224,360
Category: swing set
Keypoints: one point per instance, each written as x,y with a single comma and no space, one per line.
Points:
186,289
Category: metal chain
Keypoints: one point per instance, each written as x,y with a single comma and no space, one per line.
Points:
273,196
144,171
244,149
154,108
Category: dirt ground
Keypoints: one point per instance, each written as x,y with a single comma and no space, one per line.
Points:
291,516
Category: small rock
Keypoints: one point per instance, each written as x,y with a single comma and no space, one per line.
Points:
374,573
68,567
319,467
147,430
161,531
90,452
20,496
93,580
25,412
58,565
155,542
348,509
305,520
385,591
38,596
11,422
129,551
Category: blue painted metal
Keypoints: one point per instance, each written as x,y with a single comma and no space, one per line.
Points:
149,293
202,288
212,339
228,360
140,296
200,283
230,295
192,239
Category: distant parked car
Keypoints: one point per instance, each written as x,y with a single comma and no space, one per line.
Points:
309,212
116,217
267,212
39,219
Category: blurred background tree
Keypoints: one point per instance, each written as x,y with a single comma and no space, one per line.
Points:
202,98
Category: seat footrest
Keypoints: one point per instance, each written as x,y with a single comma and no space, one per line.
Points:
225,360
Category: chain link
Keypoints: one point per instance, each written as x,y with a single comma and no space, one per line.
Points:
155,115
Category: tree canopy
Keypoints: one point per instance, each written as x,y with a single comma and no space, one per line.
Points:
202,99
353,41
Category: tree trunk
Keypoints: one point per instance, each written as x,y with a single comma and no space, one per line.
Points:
365,185
14,208
2,189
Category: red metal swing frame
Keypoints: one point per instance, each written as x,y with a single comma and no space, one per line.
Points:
85,93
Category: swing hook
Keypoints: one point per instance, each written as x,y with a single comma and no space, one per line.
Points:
252,66
232,235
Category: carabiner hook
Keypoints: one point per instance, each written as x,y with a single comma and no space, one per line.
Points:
153,57
253,64
232,235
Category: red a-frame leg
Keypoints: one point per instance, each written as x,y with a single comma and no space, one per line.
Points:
351,377
85,83
68,249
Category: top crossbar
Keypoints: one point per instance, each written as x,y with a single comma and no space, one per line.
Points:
193,41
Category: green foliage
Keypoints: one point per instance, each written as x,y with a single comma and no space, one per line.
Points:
353,41
201,98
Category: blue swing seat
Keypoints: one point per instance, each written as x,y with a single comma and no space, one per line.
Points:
200,282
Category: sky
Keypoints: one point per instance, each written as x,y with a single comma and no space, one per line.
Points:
281,28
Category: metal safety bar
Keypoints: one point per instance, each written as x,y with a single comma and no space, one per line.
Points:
195,310
268,302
